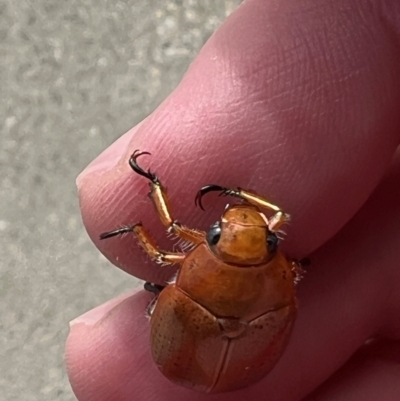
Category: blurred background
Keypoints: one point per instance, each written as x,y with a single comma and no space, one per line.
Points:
74,76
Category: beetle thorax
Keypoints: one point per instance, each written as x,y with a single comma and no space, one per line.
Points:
242,236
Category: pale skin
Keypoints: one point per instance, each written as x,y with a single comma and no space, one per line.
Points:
299,102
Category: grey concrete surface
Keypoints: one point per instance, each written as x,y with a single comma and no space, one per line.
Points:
73,76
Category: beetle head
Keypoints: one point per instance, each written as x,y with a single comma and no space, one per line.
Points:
242,237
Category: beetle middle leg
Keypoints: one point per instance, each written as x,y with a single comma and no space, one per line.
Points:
147,243
153,288
156,290
158,195
297,268
275,221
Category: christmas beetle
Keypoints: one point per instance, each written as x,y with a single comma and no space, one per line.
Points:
224,321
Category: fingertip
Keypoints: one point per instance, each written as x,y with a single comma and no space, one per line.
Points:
93,316
109,158
98,352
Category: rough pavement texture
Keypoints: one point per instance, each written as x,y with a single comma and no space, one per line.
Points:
73,76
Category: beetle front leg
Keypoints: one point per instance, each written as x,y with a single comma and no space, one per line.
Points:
158,195
275,221
147,243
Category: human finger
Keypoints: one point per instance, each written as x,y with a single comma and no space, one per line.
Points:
298,101
372,374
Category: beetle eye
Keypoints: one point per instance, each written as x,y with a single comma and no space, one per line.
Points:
272,242
214,234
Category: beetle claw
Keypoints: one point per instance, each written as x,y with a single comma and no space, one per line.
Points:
138,170
119,231
211,188
203,191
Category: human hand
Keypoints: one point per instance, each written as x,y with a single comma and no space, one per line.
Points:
299,102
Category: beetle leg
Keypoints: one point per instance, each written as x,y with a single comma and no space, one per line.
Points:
158,195
147,243
154,288
275,221
297,268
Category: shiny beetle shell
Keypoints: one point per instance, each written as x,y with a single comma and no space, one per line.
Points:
220,326
225,320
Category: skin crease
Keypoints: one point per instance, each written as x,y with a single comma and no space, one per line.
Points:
299,103
368,376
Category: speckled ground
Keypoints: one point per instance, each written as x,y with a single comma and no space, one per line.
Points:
73,76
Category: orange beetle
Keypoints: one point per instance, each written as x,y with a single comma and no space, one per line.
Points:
224,321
